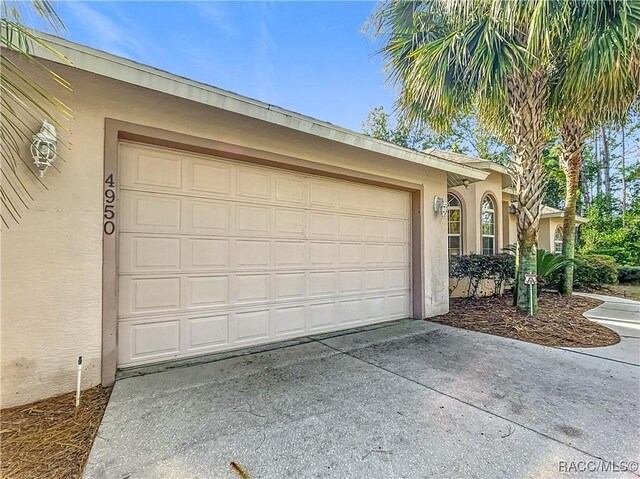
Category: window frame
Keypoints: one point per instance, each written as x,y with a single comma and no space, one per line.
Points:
555,239
492,236
460,222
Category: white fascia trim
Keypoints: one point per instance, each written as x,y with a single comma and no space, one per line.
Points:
111,66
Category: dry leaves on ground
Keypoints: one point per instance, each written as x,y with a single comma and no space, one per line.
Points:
559,321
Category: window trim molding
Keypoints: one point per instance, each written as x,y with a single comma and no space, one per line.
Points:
555,240
494,210
459,235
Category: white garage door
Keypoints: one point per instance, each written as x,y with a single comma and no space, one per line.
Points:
217,255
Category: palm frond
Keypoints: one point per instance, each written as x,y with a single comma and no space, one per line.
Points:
24,102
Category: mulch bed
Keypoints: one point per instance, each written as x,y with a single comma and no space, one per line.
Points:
50,438
559,321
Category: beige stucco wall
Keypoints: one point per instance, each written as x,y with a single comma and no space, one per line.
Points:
547,231
52,261
471,198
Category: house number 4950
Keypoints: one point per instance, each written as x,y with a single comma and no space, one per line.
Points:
109,205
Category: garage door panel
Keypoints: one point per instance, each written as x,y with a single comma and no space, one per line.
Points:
150,168
206,291
351,228
146,212
350,281
148,294
351,197
322,315
154,339
253,254
205,333
375,229
289,320
291,254
207,216
323,194
397,231
291,189
375,308
350,311
397,305
322,283
290,223
397,279
375,201
252,287
146,253
323,255
206,253
290,285
351,254
217,254
375,254
208,176
398,255
253,325
253,183
323,226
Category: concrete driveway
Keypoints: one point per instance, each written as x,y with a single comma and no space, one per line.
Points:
408,399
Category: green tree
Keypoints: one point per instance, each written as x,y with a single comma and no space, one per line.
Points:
450,58
503,59
465,135
596,79
23,101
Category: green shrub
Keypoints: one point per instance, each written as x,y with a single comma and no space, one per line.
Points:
499,268
595,270
622,255
628,274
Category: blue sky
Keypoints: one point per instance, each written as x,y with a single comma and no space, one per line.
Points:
309,57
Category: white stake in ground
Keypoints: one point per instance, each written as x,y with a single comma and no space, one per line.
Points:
79,381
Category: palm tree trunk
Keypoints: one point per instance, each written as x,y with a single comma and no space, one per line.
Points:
606,161
573,137
527,104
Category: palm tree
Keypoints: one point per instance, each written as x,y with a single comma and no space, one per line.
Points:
501,57
596,83
24,103
449,57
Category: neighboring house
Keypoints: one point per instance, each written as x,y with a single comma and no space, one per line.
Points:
186,220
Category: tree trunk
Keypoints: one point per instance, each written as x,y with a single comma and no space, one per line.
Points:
606,161
573,138
598,168
585,190
624,176
527,105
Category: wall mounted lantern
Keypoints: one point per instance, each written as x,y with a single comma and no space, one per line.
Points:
440,206
44,147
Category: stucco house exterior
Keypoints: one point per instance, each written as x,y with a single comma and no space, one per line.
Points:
481,218
185,220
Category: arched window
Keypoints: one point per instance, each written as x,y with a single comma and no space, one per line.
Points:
455,225
557,240
488,219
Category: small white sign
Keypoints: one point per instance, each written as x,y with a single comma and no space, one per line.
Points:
530,278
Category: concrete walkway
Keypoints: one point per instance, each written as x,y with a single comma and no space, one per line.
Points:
623,316
408,399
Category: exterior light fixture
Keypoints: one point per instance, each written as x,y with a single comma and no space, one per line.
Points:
44,147
513,209
440,206
466,182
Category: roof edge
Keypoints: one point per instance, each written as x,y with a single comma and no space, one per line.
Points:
118,68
